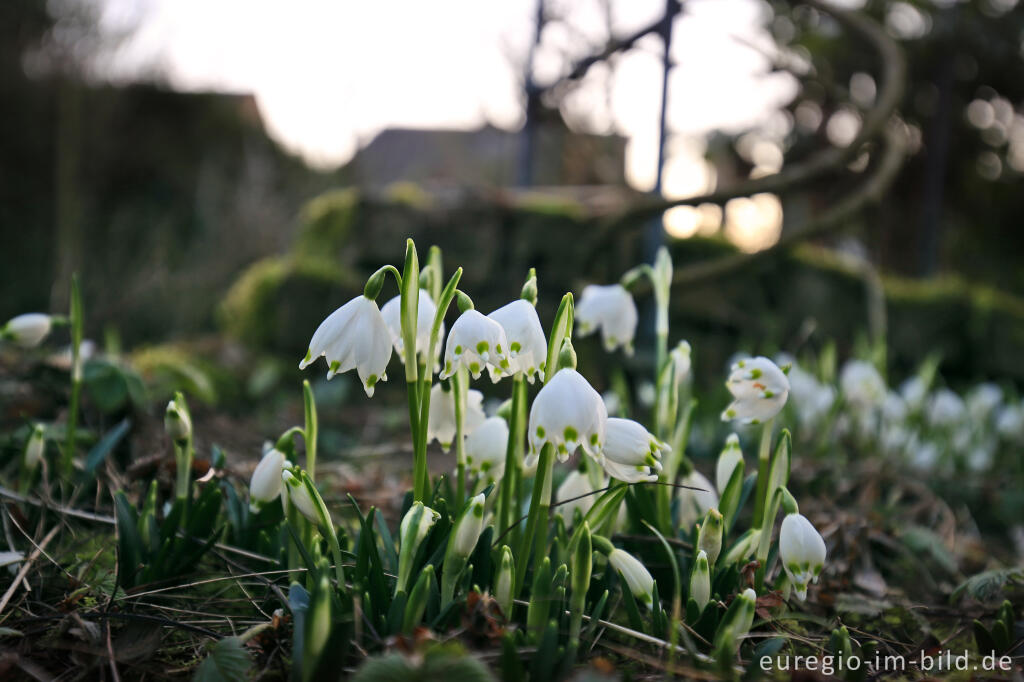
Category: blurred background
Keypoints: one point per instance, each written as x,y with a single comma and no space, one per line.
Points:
224,173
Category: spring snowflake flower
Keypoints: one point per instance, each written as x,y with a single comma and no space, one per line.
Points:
631,453
914,390
567,413
811,398
468,528
695,499
266,482
861,384
636,576
945,408
475,342
441,421
802,552
682,362
527,348
983,401
294,491
27,330
35,448
354,336
575,485
486,446
730,457
392,314
1010,422
612,310
759,389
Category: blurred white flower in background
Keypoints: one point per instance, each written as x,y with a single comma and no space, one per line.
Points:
861,384
945,408
611,310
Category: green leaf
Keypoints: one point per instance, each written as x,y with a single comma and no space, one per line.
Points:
107,443
988,585
227,662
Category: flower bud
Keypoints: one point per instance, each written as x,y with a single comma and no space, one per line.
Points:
265,485
35,447
709,537
637,578
504,581
294,491
28,330
700,580
177,422
730,457
416,524
802,552
468,528
736,622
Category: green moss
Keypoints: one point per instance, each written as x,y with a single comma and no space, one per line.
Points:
326,223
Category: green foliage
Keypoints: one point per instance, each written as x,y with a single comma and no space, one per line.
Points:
438,662
227,661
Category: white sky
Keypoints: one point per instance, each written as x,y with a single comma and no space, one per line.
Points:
330,74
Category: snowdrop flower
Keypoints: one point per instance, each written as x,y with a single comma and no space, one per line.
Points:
354,336
475,342
266,481
694,504
730,457
527,348
468,528
567,413
27,330
861,384
612,310
983,401
802,552
35,448
1010,422
636,576
392,314
177,423
575,485
945,408
759,389
631,453
441,421
294,491
485,448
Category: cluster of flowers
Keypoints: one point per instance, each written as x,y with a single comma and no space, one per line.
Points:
931,428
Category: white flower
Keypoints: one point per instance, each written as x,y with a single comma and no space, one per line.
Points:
982,455
914,390
177,423
575,485
700,580
681,362
294,491
353,337
811,398
266,481
759,389
35,448
861,384
392,314
527,348
984,400
637,577
694,504
730,457
468,528
416,523
567,413
923,455
486,446
612,310
475,342
631,454
441,421
894,438
802,552
945,408
1010,422
894,408
28,330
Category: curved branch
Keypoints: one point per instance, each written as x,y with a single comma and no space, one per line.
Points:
890,92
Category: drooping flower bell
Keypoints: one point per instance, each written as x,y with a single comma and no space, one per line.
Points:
759,389
612,310
861,384
574,493
695,498
527,348
636,576
354,336
265,485
392,314
441,421
476,342
802,552
631,453
945,408
27,330
682,362
35,447
567,413
485,448
730,457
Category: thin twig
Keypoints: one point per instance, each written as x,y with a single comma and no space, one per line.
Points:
26,566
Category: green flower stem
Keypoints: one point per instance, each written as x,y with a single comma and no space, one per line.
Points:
77,324
326,527
513,453
310,431
763,467
419,457
460,384
540,504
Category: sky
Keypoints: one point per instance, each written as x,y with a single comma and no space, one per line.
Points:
328,75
